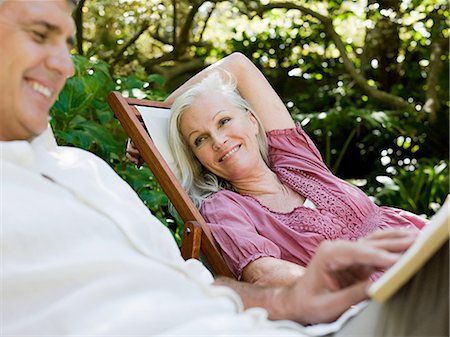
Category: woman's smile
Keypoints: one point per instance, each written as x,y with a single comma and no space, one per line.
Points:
230,153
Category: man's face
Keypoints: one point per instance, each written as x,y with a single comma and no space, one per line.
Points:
35,40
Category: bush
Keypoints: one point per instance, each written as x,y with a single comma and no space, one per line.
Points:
81,117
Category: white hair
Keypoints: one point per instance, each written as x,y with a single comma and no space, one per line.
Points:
196,179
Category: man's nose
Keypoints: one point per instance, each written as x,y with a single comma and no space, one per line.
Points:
61,61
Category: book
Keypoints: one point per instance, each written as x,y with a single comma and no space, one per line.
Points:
432,237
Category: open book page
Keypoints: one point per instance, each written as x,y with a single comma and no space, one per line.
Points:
431,238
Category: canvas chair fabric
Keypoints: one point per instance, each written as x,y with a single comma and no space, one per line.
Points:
146,123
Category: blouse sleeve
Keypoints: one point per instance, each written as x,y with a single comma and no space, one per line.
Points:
294,148
235,233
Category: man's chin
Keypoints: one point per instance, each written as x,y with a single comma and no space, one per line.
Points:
35,128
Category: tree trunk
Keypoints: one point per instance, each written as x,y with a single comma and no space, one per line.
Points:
382,44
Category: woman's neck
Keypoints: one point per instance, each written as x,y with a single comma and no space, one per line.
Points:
265,187
261,182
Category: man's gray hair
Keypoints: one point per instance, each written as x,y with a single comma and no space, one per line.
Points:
195,179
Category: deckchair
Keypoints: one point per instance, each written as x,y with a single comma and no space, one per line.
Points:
152,143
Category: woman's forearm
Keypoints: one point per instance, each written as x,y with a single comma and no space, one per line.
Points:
228,63
252,86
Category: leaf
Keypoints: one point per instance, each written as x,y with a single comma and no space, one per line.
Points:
154,197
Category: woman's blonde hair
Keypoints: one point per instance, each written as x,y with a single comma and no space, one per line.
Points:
195,179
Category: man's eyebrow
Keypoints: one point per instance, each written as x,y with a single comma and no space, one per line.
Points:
47,25
53,28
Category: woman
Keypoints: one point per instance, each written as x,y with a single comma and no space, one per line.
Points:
269,201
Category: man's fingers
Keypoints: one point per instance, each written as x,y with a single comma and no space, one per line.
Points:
339,301
391,240
392,233
393,245
339,255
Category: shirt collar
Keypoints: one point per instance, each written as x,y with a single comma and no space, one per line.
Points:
23,152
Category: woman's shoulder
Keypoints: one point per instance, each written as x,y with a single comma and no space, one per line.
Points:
293,144
226,202
285,132
290,137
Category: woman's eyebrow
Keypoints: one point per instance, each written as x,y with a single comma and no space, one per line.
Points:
218,112
212,118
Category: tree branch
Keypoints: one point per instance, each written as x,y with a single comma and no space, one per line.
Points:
78,18
151,63
119,54
174,23
206,21
186,29
432,104
394,101
185,67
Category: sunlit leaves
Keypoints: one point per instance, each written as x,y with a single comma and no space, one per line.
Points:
423,190
294,50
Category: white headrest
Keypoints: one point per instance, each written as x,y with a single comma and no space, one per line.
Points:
157,122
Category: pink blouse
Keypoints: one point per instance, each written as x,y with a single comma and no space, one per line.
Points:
246,230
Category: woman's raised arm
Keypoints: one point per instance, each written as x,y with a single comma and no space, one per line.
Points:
252,86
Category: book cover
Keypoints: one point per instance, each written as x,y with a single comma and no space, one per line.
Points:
431,238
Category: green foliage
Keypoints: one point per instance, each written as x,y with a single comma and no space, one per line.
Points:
421,190
353,133
81,117
361,138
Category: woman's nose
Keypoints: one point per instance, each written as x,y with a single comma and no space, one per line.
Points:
218,140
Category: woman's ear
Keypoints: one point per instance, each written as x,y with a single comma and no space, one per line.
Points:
253,121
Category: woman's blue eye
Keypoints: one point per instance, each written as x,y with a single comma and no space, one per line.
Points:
224,121
199,140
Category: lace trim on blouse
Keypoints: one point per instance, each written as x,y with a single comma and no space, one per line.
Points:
346,223
332,218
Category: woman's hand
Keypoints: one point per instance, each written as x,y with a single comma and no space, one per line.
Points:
133,153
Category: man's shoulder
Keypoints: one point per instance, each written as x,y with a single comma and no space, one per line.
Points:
77,153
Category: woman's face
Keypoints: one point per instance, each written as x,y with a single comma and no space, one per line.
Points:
222,136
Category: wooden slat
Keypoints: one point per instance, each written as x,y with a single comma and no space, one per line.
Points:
129,117
191,240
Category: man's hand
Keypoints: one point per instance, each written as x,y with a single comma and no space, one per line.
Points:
336,278
339,275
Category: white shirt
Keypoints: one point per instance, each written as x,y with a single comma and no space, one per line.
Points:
81,254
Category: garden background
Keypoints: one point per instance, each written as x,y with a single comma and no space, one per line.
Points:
368,80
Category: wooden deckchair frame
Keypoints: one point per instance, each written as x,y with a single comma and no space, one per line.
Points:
196,237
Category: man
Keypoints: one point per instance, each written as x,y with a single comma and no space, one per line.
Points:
82,255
